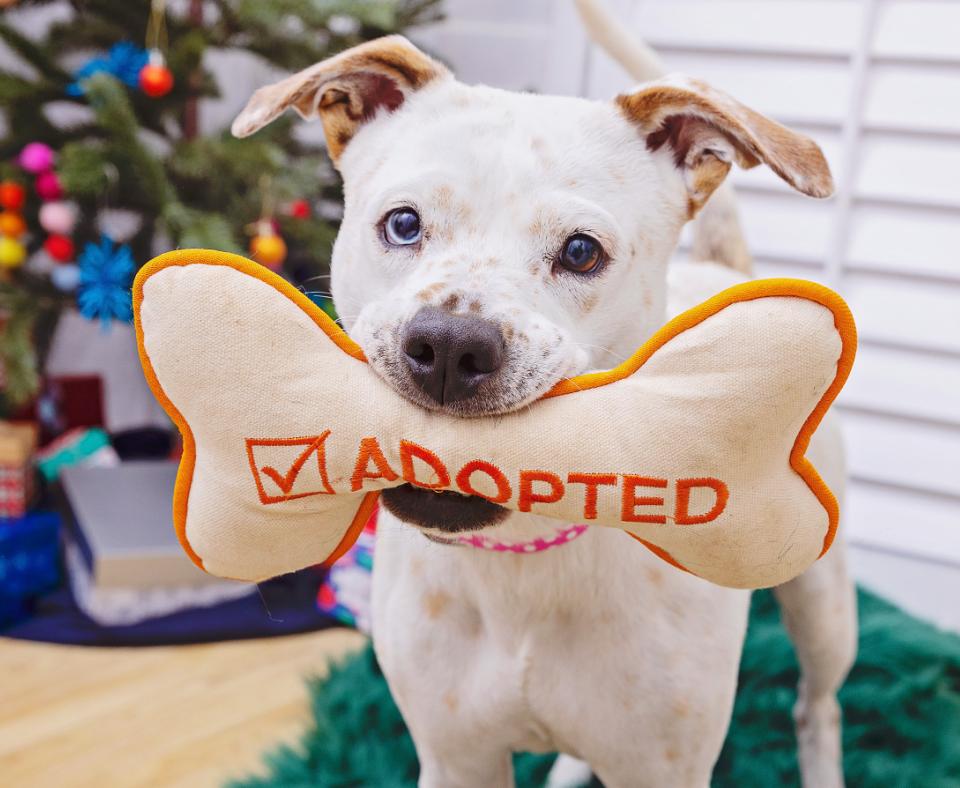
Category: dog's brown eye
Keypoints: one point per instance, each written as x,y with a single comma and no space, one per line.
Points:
402,227
581,254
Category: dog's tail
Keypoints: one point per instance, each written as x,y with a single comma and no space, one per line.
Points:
717,234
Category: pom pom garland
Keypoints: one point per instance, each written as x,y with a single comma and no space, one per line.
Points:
36,157
48,186
59,247
12,196
58,218
12,224
66,277
12,252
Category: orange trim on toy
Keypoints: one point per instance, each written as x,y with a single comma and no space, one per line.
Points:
181,490
748,291
366,509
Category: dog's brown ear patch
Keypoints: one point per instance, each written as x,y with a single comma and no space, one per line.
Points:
345,91
706,129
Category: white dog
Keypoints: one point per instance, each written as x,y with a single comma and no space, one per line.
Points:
492,244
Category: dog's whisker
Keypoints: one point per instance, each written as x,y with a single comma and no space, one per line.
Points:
597,347
314,279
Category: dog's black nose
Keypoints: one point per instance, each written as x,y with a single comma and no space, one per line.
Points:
451,355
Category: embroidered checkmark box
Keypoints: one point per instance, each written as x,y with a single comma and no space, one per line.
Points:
288,468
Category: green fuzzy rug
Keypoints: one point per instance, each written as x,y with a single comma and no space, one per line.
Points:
901,709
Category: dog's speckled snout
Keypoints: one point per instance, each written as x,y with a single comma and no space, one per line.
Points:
451,356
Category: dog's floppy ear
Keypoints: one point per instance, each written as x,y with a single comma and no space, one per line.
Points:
707,130
346,90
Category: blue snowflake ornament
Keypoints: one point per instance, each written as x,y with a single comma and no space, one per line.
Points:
124,61
106,273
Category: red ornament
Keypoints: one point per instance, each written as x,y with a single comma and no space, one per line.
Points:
300,209
12,195
156,79
59,247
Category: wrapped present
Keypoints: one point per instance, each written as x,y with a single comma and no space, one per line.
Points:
70,401
121,557
18,441
11,611
29,561
80,446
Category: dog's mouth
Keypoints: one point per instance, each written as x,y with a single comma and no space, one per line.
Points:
446,511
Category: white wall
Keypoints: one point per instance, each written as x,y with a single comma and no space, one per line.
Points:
877,83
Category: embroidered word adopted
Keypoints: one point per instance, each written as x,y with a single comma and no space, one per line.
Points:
285,469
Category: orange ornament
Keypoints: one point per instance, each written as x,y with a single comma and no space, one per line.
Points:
156,80
12,224
269,249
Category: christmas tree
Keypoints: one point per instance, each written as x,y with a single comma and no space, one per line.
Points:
134,72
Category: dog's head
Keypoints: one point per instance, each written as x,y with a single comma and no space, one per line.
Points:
493,242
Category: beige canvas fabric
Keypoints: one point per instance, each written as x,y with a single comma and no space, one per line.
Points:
691,452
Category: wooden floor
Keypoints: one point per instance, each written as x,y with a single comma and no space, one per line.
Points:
170,716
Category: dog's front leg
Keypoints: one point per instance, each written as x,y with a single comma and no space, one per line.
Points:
457,692
470,767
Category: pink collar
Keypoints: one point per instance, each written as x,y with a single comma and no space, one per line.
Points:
562,536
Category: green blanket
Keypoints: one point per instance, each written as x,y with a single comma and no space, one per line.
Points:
901,715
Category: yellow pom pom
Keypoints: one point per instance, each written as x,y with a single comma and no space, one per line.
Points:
269,250
12,224
12,253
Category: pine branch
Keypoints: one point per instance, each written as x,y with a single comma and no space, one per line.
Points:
17,356
33,54
144,171
204,191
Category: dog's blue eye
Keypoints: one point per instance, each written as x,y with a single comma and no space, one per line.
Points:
581,254
402,227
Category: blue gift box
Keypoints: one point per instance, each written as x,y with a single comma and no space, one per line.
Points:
11,611
29,561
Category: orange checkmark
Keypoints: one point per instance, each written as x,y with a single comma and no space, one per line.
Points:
286,481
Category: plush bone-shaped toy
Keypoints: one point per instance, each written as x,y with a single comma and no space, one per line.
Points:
695,445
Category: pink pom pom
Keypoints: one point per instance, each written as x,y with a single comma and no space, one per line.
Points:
48,186
57,218
36,157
